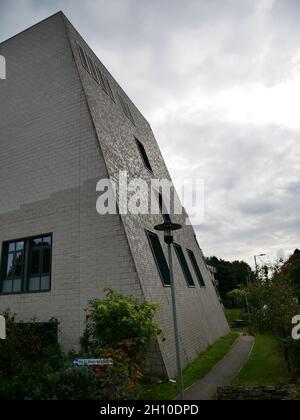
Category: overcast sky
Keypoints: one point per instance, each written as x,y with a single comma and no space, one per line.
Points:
219,81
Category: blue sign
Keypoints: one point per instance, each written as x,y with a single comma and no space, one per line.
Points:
93,362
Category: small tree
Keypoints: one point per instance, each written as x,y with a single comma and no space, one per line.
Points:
273,304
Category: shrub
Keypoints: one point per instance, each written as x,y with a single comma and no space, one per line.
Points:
29,352
120,327
71,383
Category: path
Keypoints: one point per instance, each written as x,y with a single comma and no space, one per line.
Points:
224,372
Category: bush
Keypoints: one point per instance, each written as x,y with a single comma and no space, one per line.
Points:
73,383
120,327
29,352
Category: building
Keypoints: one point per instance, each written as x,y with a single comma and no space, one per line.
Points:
65,124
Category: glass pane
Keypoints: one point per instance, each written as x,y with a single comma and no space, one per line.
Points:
37,242
47,240
35,261
18,264
7,286
19,246
34,284
10,265
45,283
11,246
17,286
46,260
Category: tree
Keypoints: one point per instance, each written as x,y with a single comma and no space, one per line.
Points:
273,302
230,275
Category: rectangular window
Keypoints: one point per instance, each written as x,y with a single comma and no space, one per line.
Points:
83,58
126,109
184,265
144,155
196,268
26,265
159,257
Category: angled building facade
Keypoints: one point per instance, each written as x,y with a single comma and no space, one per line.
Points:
65,124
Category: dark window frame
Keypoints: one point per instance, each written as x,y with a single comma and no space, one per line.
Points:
144,156
26,264
184,265
196,268
162,208
166,281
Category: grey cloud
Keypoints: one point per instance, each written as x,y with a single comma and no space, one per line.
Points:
162,53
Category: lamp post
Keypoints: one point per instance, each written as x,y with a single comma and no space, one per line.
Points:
168,228
255,260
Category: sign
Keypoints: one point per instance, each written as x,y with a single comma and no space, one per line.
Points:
93,362
2,328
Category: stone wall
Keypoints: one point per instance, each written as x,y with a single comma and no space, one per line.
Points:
270,393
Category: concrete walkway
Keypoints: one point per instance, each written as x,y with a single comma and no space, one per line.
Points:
224,372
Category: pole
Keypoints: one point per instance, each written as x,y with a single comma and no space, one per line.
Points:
256,266
176,329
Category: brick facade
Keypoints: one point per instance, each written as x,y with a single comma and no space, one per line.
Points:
60,133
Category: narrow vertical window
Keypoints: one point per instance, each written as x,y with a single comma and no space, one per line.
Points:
144,155
83,58
93,69
184,265
13,255
40,255
126,109
196,268
108,88
163,208
159,258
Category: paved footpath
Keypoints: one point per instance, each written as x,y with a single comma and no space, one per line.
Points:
224,372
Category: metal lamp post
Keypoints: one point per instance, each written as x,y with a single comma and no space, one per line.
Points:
168,228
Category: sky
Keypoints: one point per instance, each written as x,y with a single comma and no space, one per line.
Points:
219,81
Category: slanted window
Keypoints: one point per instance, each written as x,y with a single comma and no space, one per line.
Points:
83,57
26,265
126,109
159,258
100,78
108,87
93,69
144,155
184,265
196,268
163,209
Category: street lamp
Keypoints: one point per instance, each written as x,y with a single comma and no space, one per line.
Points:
255,260
168,228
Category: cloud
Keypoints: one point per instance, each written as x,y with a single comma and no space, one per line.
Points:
219,81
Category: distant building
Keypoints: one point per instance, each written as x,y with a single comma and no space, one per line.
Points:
65,124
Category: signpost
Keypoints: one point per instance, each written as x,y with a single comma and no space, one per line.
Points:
93,362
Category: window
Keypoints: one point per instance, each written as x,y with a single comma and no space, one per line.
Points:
93,69
26,265
184,266
100,78
159,257
108,88
196,268
144,155
126,109
83,58
163,209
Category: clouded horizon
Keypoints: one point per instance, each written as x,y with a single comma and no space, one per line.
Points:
219,81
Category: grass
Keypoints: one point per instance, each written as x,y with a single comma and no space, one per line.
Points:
266,365
193,373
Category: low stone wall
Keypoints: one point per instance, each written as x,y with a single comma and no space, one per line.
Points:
261,393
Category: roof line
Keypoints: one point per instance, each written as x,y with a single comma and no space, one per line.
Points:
32,26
